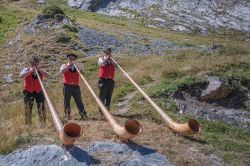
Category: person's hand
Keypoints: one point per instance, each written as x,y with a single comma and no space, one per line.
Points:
32,69
71,64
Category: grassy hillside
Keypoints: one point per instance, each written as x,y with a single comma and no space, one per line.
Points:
158,75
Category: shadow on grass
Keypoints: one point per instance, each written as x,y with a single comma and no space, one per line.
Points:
131,116
192,139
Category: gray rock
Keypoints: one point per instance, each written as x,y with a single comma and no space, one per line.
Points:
99,153
216,89
8,78
128,154
229,110
216,161
41,2
197,15
128,43
10,44
47,155
97,41
180,28
41,23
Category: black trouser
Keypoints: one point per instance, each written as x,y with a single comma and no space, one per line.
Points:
28,104
106,87
72,90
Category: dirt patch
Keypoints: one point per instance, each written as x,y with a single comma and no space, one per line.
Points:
124,105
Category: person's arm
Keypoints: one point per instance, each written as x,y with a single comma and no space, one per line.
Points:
80,67
64,68
102,61
114,62
44,73
25,72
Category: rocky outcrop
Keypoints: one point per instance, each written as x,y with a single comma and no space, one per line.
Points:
216,89
231,109
41,2
179,15
99,153
41,23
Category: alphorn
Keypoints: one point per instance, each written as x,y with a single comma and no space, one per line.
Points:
67,133
131,127
186,129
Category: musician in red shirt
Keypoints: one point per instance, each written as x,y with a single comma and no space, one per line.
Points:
32,90
71,87
106,75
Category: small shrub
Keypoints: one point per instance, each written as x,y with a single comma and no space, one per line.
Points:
145,80
196,30
23,139
59,17
171,74
71,28
64,38
52,11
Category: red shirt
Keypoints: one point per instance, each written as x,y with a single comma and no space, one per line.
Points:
107,71
31,83
71,77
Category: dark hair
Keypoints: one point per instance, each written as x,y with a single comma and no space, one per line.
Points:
107,50
34,59
74,55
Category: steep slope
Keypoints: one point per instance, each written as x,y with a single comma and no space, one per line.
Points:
178,15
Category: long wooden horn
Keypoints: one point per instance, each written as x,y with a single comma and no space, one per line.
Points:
131,128
67,133
189,128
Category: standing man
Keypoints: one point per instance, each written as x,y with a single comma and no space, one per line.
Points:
106,81
71,87
32,90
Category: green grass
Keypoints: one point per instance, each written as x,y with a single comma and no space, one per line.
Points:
14,142
172,85
229,141
231,50
122,91
10,18
240,72
90,66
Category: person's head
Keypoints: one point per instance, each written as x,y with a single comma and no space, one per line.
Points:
71,57
107,51
34,62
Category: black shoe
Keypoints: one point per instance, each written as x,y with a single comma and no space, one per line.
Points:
83,116
67,116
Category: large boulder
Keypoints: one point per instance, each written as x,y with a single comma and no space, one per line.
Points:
99,153
47,155
126,154
216,89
